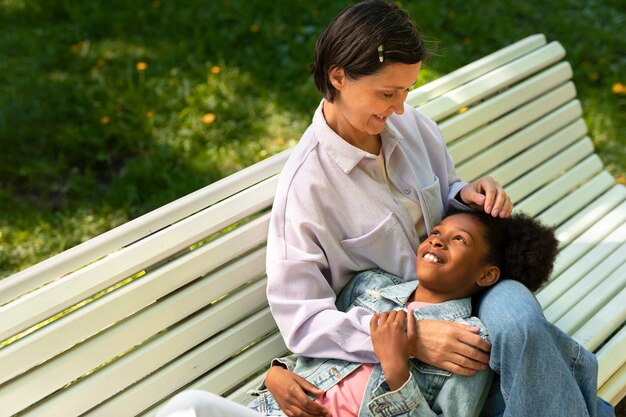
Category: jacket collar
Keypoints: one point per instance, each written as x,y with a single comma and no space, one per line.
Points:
448,310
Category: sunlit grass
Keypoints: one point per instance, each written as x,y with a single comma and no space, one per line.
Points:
111,109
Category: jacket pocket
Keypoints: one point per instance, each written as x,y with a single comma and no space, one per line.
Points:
386,247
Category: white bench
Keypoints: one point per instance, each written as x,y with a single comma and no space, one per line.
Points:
176,298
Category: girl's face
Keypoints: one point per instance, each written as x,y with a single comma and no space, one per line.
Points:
450,260
362,106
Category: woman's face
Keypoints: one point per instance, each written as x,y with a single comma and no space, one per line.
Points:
362,106
450,259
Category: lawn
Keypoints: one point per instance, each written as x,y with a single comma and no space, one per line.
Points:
111,109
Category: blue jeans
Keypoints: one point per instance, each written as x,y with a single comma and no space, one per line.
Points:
542,371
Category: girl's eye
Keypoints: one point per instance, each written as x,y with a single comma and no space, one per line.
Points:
461,239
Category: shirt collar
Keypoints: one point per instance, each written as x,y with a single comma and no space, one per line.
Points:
345,155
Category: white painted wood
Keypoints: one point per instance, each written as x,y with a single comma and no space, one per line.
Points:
248,363
596,220
99,246
485,85
518,149
562,186
606,304
609,318
141,362
475,69
57,337
614,389
46,301
542,174
612,356
500,116
568,203
564,291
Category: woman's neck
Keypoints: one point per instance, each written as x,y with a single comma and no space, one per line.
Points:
338,123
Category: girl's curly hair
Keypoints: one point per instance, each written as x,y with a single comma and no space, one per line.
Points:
522,247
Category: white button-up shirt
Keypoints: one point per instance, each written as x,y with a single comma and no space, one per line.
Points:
334,216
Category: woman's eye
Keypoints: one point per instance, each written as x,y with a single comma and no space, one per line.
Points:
387,95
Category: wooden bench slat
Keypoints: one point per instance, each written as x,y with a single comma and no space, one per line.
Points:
121,236
569,200
63,334
63,369
487,84
588,171
476,129
564,291
477,68
602,300
612,384
612,202
518,150
118,375
543,173
243,366
142,398
54,298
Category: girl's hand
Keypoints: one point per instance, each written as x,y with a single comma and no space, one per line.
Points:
290,390
486,194
449,346
391,345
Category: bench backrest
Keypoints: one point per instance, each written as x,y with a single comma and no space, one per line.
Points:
176,298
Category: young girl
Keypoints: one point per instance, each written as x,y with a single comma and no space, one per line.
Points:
464,254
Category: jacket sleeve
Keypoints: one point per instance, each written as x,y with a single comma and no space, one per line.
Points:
406,401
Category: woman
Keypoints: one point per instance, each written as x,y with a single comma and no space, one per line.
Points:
368,178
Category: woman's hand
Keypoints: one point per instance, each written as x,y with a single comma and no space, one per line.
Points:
392,345
486,194
290,390
449,346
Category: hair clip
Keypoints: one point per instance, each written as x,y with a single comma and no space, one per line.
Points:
381,58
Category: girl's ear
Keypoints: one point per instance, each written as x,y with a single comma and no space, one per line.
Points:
337,77
490,275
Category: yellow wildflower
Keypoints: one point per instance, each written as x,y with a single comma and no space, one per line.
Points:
105,120
215,69
467,41
463,109
76,47
150,114
618,88
141,66
594,76
621,180
208,118
254,28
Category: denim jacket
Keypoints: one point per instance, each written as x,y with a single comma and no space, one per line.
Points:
429,391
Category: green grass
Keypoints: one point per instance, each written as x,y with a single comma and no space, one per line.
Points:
105,106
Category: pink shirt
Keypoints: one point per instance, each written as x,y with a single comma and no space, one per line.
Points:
345,398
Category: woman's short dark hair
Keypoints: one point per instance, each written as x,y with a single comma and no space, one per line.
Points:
353,38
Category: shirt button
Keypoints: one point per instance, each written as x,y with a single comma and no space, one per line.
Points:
406,191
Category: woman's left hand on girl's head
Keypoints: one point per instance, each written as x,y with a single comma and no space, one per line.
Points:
487,194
